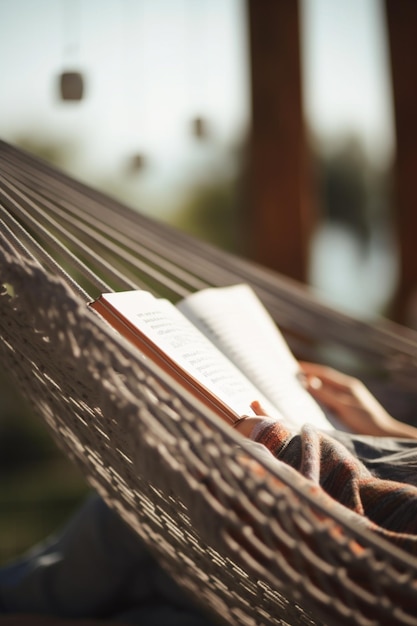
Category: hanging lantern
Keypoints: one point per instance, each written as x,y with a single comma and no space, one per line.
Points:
71,86
199,128
136,163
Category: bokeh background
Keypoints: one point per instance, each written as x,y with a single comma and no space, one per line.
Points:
162,121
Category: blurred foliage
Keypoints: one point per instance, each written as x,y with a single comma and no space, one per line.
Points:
353,191
58,152
39,486
211,213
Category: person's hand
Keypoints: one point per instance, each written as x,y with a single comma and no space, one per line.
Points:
352,403
247,423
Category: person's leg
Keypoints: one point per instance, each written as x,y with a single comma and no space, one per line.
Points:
386,457
79,572
96,567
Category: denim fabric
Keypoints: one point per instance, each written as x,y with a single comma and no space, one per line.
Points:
96,567
386,458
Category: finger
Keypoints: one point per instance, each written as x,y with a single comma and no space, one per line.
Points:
246,424
312,383
258,409
339,402
327,375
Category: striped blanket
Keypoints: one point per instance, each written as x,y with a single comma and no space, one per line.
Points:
376,481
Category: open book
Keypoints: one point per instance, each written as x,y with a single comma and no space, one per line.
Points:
221,345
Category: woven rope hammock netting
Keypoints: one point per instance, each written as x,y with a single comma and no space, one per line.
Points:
253,541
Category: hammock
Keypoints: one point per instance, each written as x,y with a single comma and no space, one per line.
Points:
256,545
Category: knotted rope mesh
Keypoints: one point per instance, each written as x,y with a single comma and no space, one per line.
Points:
253,541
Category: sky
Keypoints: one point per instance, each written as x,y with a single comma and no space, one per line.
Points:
346,72
143,65
152,65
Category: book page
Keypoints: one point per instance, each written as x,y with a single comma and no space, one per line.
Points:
166,327
236,321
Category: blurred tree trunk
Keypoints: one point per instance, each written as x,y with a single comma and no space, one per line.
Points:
402,34
279,206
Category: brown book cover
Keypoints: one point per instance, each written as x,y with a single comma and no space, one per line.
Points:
153,351
221,345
